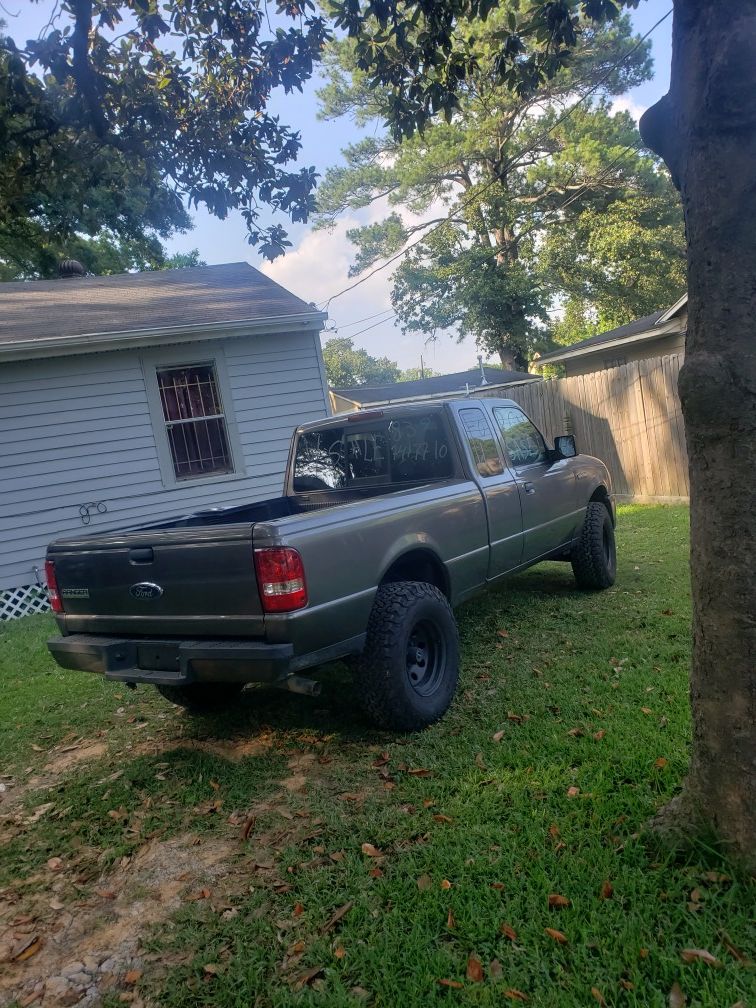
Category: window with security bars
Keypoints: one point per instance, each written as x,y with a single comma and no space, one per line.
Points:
194,421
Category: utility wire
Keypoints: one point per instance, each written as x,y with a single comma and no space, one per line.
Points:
518,157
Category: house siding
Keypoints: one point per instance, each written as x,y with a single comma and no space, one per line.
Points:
76,431
673,343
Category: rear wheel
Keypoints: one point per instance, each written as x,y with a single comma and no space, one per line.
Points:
409,668
594,557
202,698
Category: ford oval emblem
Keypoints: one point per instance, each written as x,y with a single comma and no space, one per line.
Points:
145,590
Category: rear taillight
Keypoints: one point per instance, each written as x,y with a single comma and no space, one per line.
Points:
281,579
53,594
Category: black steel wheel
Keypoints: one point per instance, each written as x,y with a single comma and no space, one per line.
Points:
594,556
408,671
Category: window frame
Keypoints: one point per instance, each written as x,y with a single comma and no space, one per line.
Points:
465,436
193,355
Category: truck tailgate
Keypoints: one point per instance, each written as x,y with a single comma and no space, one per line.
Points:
169,581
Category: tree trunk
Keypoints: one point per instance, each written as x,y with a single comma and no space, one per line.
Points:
705,129
507,358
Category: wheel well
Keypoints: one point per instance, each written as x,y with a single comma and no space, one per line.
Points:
418,565
602,494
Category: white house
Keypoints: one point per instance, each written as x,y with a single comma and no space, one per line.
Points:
124,399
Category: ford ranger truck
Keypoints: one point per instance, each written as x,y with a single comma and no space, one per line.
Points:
389,519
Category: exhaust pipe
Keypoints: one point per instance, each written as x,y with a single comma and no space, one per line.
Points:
299,684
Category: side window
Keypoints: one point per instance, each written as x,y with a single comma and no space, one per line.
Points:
522,439
482,444
195,421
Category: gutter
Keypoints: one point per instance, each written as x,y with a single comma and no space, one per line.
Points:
61,346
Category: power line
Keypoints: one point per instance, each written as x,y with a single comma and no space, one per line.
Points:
518,157
374,325
337,327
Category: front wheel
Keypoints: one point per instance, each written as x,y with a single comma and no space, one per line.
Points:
202,698
408,671
594,557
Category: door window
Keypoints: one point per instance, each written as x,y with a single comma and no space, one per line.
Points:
481,441
522,439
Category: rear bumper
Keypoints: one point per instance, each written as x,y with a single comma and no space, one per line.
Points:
172,662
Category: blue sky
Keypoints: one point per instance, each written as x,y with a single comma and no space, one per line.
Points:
317,265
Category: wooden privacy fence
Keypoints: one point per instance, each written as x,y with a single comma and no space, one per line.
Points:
628,416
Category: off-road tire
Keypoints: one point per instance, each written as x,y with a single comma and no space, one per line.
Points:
202,698
594,556
404,612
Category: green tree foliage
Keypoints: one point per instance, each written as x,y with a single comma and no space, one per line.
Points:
512,208
347,366
123,111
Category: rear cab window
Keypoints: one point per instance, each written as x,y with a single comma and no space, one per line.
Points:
416,448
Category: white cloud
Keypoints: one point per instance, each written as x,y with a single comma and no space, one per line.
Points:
319,268
626,104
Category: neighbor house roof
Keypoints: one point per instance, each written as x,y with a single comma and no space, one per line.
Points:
646,328
69,315
461,381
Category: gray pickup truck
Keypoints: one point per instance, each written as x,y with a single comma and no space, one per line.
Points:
389,519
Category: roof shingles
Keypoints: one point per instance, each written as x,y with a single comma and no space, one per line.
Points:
437,385
130,302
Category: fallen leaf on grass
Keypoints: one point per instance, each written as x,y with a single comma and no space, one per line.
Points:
498,736
337,856
627,984
455,984
516,718
474,969
26,949
306,978
573,791
553,831
497,885
515,995
607,890
508,931
480,763
381,760
734,952
445,884
699,955
336,917
339,951
420,772
213,969
442,818
132,976
556,900
370,850
598,996
450,921
503,633
661,762
556,935
647,710
643,953
495,970
375,873
576,732
55,863
599,734
249,823
424,883
298,910
676,997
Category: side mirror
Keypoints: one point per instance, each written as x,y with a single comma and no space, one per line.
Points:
564,445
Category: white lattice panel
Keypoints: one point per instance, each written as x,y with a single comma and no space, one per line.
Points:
23,602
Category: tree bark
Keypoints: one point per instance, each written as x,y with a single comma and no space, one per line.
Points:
705,129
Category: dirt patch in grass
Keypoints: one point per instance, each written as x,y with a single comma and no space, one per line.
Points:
74,953
67,938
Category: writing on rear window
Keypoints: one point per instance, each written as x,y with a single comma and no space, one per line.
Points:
403,450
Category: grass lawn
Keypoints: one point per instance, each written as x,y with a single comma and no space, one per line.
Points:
287,854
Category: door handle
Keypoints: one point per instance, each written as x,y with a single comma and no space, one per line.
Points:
528,487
